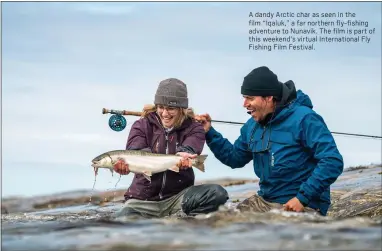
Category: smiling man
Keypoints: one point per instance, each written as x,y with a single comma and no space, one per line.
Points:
293,152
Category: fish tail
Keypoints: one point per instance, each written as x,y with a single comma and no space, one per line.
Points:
199,162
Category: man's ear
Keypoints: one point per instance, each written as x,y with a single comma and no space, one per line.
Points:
269,98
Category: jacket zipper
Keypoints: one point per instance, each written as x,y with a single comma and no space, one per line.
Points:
262,147
262,136
164,174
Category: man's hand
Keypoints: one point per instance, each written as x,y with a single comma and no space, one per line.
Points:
121,167
186,161
294,205
205,120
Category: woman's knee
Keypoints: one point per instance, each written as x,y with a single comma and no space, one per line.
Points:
219,193
204,199
206,194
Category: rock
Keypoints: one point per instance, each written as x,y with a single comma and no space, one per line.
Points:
357,193
4,210
67,199
356,203
226,182
354,194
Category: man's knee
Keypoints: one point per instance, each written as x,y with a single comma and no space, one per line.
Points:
256,203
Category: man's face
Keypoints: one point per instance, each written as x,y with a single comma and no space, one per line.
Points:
168,115
258,106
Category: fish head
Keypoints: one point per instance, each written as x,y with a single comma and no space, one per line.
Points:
102,161
96,164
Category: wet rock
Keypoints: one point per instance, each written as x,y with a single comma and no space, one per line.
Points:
354,194
31,204
228,182
353,168
75,198
366,202
137,247
353,223
4,210
357,193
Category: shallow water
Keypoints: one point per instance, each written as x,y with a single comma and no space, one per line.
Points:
88,226
226,230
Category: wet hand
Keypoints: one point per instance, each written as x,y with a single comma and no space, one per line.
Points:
205,120
186,161
121,167
293,205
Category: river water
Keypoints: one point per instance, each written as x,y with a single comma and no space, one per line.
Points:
92,227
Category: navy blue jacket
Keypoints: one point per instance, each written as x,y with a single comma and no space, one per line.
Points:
301,160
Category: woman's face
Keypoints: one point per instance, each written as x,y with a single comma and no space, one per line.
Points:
168,115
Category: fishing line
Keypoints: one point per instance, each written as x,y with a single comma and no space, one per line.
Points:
337,133
121,125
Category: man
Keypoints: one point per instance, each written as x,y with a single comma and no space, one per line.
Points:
293,152
167,127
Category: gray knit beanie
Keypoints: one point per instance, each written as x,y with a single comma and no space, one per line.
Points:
172,92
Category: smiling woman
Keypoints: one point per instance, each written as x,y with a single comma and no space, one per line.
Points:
171,116
171,101
168,127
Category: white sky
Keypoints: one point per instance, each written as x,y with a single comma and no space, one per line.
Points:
63,62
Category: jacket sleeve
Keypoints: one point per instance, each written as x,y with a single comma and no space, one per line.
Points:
234,156
137,137
319,140
193,141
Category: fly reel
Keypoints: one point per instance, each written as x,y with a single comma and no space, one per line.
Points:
117,122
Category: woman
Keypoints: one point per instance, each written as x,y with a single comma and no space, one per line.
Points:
168,127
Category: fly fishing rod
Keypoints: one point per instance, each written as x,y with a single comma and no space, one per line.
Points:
117,122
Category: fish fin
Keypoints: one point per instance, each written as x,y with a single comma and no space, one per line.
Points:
147,176
174,169
198,162
148,173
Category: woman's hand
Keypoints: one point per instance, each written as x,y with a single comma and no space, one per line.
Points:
121,167
186,161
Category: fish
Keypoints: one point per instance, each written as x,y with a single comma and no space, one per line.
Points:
142,162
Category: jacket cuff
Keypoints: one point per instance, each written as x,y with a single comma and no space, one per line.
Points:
303,200
210,134
187,149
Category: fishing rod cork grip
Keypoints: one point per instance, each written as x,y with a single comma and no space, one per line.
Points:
132,113
123,112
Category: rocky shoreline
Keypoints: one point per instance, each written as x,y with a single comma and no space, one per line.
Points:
74,198
357,192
